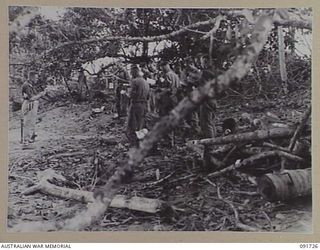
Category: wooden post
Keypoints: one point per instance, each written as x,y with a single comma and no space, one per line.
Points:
282,61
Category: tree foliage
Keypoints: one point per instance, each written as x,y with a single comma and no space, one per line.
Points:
37,41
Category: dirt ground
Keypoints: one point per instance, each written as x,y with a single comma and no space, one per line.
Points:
68,127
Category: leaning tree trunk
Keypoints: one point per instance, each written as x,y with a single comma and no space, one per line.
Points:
210,89
282,61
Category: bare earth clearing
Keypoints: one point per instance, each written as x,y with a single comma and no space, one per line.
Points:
68,128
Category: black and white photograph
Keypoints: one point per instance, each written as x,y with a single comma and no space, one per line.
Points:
159,119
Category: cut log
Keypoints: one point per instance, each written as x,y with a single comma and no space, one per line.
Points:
287,185
119,201
249,136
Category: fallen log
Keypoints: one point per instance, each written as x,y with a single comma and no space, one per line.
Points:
254,158
245,137
273,146
253,150
119,201
247,161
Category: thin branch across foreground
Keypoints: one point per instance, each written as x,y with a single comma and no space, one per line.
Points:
210,89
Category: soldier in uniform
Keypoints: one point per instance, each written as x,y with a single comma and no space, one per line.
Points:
187,86
209,107
139,94
168,96
83,86
29,110
169,89
149,75
122,101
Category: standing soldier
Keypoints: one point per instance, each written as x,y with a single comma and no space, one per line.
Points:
207,111
168,98
149,75
207,116
152,102
138,95
29,110
83,86
209,107
122,101
170,86
187,86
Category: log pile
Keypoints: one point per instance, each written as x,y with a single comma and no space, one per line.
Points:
267,154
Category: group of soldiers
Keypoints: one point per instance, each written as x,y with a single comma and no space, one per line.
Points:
145,88
158,89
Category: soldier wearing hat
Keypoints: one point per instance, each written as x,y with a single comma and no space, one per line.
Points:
169,90
209,107
29,110
122,101
187,86
139,94
83,86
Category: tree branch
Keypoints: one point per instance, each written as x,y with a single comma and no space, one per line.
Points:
303,24
138,39
210,88
302,124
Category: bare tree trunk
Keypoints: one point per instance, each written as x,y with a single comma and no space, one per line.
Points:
210,89
248,136
282,60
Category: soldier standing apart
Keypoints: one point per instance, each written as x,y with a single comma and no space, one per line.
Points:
138,95
29,110
83,86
